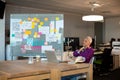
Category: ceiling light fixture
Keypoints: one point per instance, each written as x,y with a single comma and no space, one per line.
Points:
93,17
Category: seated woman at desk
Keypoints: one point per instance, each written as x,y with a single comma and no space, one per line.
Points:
86,53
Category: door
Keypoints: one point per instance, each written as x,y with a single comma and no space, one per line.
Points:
98,27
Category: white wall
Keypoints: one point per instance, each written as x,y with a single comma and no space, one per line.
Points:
112,28
2,39
73,27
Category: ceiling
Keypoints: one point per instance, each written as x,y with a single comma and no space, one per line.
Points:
108,8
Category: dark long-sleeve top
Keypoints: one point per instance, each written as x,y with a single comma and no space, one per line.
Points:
86,53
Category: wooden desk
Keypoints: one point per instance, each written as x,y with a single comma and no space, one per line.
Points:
116,61
3,77
20,70
98,52
116,58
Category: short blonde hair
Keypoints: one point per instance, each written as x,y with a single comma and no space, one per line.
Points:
89,39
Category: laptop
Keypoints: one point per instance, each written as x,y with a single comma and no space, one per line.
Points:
51,57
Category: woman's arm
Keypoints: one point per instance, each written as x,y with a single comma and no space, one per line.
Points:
77,52
88,54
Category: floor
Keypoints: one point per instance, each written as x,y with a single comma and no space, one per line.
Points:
113,75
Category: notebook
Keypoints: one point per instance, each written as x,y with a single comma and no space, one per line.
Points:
51,57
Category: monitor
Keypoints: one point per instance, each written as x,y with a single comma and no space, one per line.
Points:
72,42
2,8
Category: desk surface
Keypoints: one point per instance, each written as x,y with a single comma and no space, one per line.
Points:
20,68
98,52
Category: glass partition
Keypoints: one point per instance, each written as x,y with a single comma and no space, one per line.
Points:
33,34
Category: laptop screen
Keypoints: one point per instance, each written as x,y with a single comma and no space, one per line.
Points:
51,56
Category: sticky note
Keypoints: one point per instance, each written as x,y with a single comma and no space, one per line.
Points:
21,22
35,33
13,35
35,36
46,43
29,19
35,19
41,23
57,18
51,30
38,36
40,33
46,19
27,32
39,26
33,25
55,30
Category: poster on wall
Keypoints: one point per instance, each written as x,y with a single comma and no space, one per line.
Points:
33,34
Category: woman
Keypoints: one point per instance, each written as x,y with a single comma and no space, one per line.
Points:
85,54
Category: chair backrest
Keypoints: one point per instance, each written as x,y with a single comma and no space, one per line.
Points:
92,60
107,52
107,58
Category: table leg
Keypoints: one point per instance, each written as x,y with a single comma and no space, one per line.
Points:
55,74
90,73
3,77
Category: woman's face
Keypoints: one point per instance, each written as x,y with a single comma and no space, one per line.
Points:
86,42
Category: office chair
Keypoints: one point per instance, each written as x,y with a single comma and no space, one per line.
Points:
92,60
104,64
